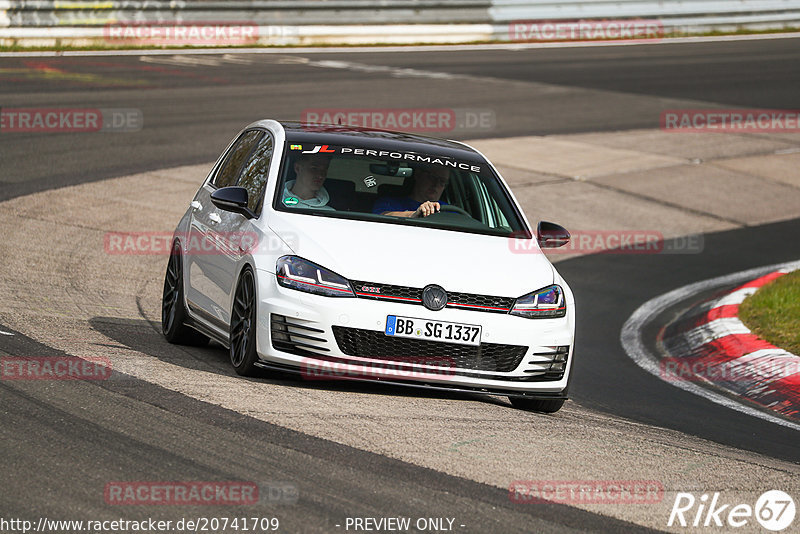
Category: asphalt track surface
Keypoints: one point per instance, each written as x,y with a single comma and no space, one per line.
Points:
191,110
135,430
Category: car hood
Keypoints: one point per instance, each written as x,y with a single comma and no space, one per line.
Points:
414,256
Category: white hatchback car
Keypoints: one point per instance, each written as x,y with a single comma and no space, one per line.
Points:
346,253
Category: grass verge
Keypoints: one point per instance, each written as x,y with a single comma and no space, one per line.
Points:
773,312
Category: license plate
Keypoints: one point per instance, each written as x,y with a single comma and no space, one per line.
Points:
415,328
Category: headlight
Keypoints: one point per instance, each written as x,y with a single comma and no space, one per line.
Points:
303,275
546,303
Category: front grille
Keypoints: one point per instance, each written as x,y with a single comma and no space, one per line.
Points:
413,295
387,292
378,346
482,302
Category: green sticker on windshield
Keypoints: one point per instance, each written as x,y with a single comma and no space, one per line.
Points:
290,201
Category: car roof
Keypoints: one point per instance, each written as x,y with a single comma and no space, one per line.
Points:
336,135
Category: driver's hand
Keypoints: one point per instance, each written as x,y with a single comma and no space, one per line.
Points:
426,208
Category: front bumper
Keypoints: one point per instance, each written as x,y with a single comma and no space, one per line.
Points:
326,338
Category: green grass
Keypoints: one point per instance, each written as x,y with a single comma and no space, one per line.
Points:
773,313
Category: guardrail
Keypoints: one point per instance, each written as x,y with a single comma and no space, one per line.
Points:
689,16
304,22
43,13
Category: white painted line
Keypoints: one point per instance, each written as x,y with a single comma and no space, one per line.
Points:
768,364
772,353
181,61
713,330
736,297
631,337
409,48
4,333
397,72
230,58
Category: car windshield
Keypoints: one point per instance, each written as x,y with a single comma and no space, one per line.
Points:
388,186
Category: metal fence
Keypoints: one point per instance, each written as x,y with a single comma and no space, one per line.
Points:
43,13
686,15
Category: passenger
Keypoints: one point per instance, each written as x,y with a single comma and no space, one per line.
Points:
430,182
307,190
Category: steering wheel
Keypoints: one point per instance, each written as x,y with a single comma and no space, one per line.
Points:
454,209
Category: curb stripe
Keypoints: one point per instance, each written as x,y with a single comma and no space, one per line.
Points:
781,396
734,298
726,306
764,280
712,331
715,347
696,320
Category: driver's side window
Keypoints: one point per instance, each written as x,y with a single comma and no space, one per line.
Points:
231,167
255,172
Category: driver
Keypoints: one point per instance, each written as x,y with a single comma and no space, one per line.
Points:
307,190
429,183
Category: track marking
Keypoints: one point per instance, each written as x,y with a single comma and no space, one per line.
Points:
397,72
631,337
714,330
182,61
190,61
230,58
731,299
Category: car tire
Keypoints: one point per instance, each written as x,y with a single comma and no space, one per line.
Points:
537,405
244,325
173,313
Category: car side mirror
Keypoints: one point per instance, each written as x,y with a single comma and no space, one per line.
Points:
233,199
551,235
